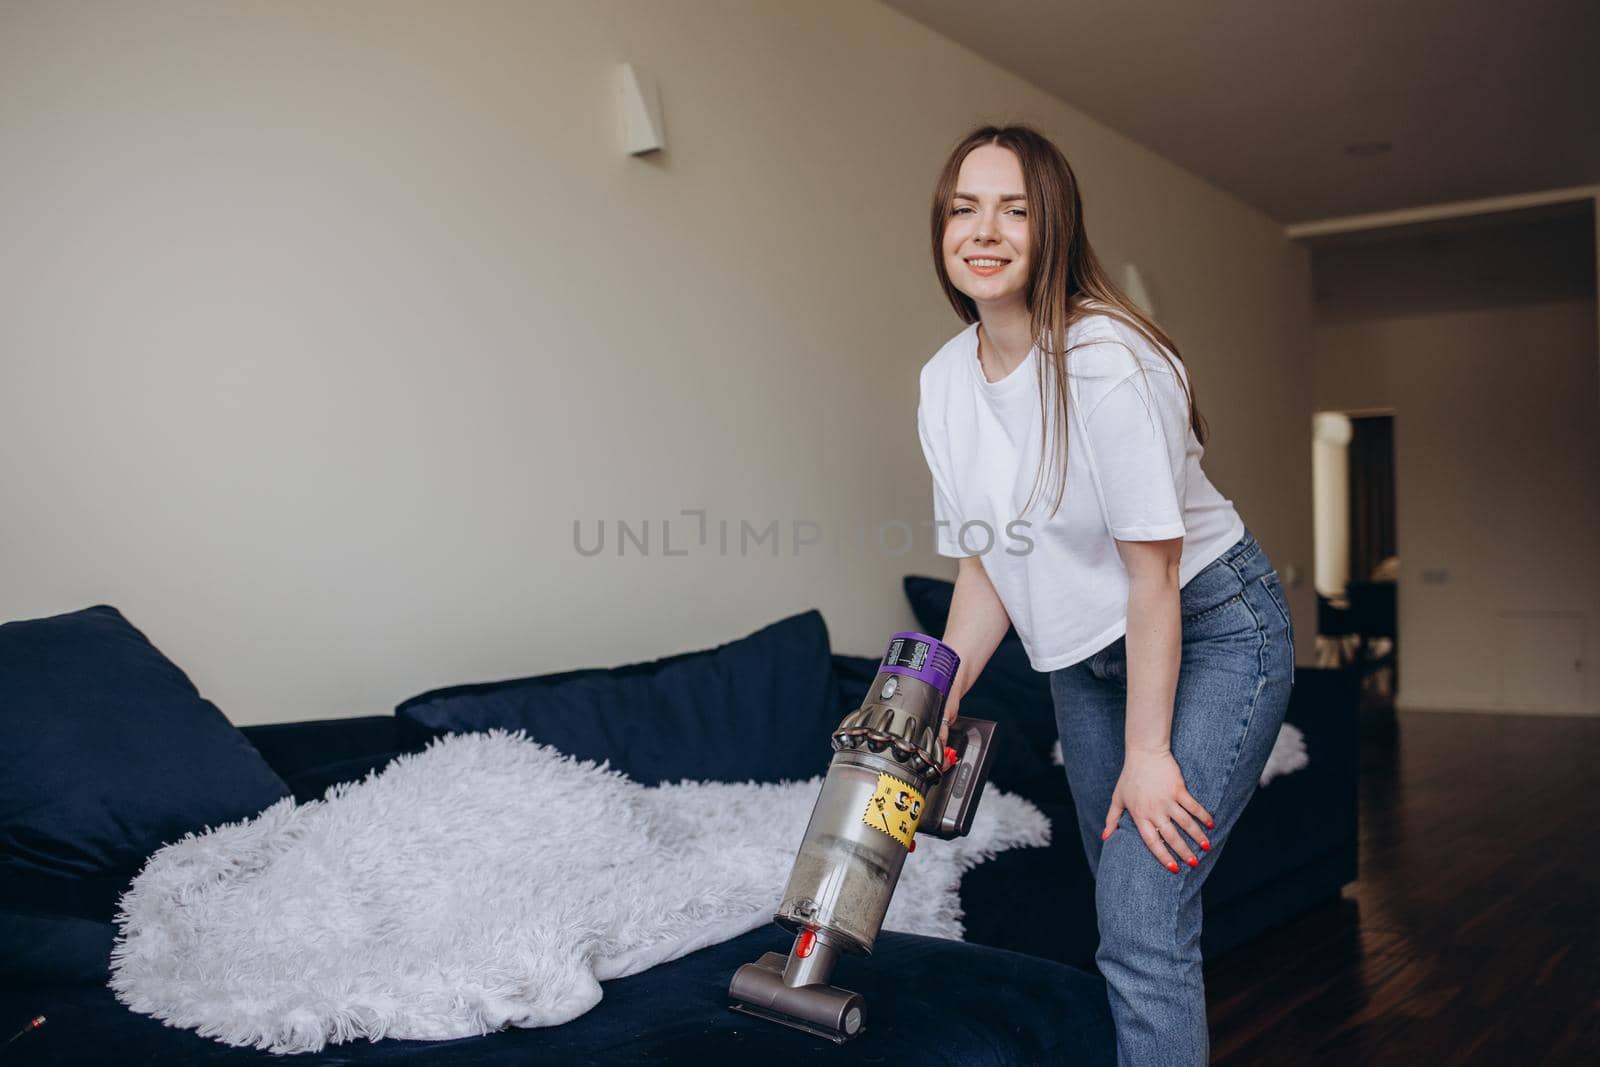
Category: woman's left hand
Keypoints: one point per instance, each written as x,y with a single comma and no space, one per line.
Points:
1151,790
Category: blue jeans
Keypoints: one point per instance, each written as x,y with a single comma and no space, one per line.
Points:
1233,690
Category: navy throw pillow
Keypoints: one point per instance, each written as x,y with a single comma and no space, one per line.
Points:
1009,690
761,708
110,753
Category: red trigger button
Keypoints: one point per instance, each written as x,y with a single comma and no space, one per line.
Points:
808,938
949,756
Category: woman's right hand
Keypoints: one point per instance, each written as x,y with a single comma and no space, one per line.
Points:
951,710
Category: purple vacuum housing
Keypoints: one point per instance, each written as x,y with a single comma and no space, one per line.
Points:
924,658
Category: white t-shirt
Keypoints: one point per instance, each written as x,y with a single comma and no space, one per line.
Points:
1133,474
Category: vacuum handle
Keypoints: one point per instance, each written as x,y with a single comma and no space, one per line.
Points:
953,801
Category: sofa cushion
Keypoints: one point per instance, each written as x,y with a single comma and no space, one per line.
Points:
312,756
1008,690
110,753
928,1000
760,708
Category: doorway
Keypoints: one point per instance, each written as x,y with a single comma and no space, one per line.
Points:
1357,550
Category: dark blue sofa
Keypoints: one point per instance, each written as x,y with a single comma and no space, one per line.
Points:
1017,991
114,751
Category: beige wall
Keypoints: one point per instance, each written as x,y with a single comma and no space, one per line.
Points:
321,323
1484,345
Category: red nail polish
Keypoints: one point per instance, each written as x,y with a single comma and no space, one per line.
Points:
1194,863
1104,834
1173,867
1211,826
1206,845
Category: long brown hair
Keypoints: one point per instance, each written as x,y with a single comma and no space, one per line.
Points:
1064,276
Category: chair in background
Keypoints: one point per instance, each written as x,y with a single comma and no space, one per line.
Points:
1335,635
1373,614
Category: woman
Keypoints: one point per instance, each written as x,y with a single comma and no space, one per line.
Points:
1157,616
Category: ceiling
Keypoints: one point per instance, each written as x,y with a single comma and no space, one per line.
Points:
1477,98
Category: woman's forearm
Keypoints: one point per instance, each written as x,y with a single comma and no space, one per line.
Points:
977,622
1154,653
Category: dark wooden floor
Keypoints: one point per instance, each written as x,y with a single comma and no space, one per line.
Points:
1473,932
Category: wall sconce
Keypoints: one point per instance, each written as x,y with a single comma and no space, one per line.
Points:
1133,285
641,111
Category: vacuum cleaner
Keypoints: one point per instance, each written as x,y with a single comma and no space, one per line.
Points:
887,782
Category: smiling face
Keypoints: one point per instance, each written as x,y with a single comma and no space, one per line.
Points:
986,235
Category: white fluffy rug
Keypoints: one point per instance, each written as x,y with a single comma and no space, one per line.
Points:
487,881
1288,753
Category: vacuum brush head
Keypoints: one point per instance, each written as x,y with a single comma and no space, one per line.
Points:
758,989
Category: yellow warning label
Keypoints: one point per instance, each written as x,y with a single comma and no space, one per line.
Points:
894,808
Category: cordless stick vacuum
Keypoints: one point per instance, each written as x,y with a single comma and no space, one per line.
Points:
887,781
